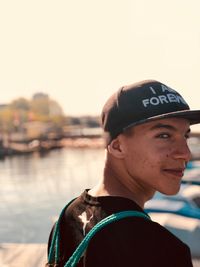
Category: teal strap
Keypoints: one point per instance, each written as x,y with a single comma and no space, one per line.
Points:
74,259
53,257
54,248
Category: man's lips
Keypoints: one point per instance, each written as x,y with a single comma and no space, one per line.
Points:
179,172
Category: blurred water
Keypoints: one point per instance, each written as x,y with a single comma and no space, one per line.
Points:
34,188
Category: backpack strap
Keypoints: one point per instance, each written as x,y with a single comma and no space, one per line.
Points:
54,251
74,259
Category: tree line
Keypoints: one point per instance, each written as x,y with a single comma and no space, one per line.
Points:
39,108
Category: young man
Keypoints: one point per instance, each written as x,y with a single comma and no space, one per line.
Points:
146,127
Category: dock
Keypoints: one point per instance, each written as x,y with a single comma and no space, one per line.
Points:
23,255
32,255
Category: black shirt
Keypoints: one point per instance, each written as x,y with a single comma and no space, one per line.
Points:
129,242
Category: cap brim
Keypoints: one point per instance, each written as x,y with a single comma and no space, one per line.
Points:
193,116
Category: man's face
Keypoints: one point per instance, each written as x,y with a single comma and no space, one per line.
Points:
155,155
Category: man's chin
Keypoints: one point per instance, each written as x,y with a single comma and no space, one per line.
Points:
172,191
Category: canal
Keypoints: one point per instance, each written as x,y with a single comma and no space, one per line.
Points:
34,188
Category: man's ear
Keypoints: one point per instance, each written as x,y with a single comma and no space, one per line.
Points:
116,149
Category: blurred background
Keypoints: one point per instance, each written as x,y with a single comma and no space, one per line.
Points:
59,62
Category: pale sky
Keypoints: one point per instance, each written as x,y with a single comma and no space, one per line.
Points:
79,52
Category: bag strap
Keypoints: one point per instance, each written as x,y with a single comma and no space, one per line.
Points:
74,259
53,255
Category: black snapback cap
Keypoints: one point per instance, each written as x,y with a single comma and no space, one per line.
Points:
143,102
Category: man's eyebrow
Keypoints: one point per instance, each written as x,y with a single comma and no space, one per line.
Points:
166,126
162,125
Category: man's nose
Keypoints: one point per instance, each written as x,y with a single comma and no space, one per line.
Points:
183,151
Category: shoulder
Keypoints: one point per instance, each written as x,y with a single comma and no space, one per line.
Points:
146,241
139,229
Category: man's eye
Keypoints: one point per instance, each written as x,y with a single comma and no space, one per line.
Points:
163,135
187,136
